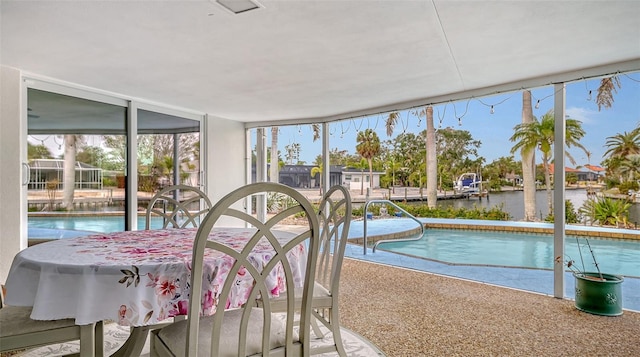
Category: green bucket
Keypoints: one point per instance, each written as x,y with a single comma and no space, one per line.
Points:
599,297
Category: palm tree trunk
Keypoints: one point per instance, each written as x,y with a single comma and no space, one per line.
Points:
432,161
69,167
370,173
547,183
528,165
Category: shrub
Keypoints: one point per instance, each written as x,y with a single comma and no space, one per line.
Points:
571,216
628,186
109,182
611,182
147,183
495,213
606,211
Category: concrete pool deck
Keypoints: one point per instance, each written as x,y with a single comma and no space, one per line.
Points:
534,280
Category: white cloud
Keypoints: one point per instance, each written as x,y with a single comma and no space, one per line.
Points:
586,116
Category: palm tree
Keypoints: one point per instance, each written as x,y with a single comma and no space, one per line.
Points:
540,135
623,145
368,147
619,147
69,171
528,163
432,160
630,166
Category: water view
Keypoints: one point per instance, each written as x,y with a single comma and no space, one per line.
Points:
512,202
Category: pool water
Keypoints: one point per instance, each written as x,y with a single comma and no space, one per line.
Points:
614,256
99,224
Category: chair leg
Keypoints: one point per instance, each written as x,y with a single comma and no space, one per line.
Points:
88,340
335,329
135,343
99,339
316,327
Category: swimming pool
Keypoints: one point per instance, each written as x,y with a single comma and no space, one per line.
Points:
99,224
471,247
453,246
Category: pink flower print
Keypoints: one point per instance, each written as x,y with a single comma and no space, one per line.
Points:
165,289
179,308
141,251
276,289
122,313
183,307
208,302
152,280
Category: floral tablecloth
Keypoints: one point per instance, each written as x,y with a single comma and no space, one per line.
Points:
136,278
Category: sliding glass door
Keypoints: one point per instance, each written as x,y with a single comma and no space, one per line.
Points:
78,147
168,154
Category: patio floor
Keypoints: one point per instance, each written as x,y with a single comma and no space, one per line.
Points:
534,280
412,313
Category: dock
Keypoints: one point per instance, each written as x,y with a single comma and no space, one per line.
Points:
97,200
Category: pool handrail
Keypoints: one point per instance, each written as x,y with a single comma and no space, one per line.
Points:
375,245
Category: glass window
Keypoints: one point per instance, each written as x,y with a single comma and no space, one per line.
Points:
77,151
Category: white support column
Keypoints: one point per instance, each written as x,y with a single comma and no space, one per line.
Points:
176,159
326,162
261,172
247,166
558,190
14,172
131,169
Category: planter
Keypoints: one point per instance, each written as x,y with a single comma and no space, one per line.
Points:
597,296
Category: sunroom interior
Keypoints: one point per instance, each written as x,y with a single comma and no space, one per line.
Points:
177,67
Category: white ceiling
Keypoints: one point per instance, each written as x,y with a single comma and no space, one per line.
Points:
317,60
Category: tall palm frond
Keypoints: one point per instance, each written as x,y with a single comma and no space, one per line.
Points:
606,90
316,131
391,122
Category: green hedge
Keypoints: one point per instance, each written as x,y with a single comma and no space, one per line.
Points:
495,213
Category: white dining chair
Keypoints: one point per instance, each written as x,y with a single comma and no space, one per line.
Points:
334,217
18,331
180,206
248,330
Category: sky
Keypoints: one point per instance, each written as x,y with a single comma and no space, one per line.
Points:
493,130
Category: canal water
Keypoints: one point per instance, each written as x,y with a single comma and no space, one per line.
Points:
513,203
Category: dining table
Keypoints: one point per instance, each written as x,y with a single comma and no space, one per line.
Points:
135,278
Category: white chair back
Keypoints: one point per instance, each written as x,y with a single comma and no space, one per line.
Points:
334,217
255,327
180,206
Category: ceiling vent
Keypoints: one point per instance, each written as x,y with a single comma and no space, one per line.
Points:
239,6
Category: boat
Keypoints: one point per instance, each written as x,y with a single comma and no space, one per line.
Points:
468,183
